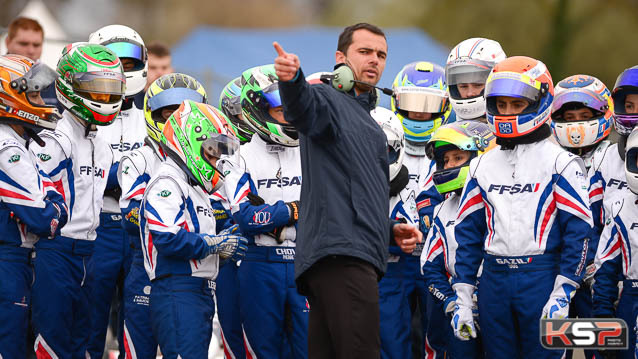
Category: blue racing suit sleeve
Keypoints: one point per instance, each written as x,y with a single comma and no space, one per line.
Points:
574,216
434,270
164,210
609,269
261,219
469,231
112,181
307,108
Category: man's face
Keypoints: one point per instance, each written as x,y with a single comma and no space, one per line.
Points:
158,67
419,116
631,103
455,158
27,43
278,114
366,56
510,105
582,114
470,90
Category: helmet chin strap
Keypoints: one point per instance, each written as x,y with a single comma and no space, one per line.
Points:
32,134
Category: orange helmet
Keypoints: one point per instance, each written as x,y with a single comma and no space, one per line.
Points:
524,78
21,80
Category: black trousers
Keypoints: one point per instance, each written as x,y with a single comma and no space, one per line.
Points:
343,293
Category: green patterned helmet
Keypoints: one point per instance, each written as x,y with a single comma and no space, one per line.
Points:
260,92
91,82
168,92
196,136
229,103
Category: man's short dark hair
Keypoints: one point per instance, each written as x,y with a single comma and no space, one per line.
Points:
23,23
345,39
158,49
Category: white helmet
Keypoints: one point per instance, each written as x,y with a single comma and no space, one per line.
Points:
631,156
470,62
393,130
126,43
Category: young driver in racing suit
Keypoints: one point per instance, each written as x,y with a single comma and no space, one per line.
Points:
136,168
90,87
181,251
263,190
614,258
30,205
452,147
582,116
527,220
394,309
111,262
421,103
227,282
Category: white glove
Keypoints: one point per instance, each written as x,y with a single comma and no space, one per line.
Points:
557,306
226,244
463,317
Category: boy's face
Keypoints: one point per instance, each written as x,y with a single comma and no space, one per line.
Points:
278,114
470,90
582,114
419,116
631,103
455,158
510,105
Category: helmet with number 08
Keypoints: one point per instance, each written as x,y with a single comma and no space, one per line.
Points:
21,80
466,71
625,96
420,87
519,77
578,93
90,82
259,94
472,136
165,95
196,136
230,105
391,126
128,45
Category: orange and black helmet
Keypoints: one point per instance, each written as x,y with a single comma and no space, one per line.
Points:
21,80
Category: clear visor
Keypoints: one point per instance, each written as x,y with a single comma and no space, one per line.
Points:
271,94
421,99
100,86
620,98
586,97
129,50
232,105
512,84
467,71
219,146
39,77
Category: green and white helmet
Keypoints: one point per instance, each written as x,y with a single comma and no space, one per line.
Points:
196,136
229,103
90,83
260,92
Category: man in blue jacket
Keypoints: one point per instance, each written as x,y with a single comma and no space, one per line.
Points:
343,229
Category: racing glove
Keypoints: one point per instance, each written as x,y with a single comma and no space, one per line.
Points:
463,317
449,305
590,271
557,307
227,244
293,210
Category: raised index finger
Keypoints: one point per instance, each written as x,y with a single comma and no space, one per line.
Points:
279,49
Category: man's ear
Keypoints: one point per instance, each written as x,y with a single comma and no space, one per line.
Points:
340,57
6,41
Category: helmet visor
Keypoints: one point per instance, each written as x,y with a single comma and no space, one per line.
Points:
421,99
173,96
467,71
594,102
512,84
129,50
271,94
100,86
37,78
232,105
218,146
